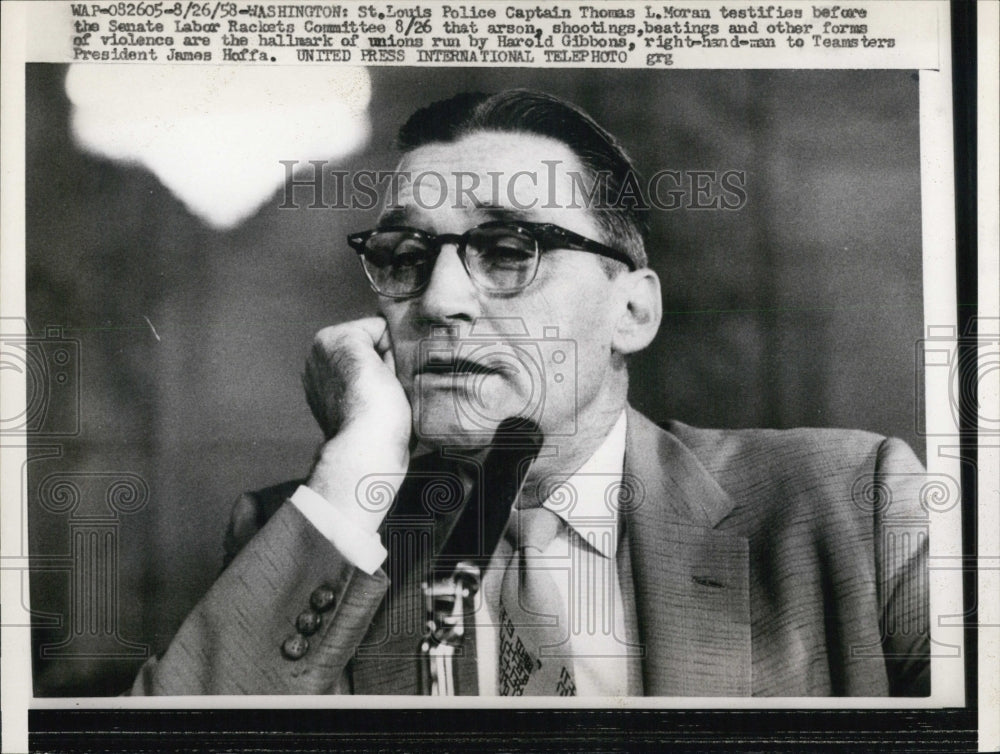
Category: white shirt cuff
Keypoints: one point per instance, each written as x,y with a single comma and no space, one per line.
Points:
362,548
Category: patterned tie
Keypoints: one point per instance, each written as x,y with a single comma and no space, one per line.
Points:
534,630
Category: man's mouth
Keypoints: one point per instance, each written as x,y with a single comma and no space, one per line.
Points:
446,365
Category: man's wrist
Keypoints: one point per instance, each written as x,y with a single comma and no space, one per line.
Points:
360,474
362,548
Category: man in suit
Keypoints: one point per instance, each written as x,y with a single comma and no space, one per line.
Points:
484,414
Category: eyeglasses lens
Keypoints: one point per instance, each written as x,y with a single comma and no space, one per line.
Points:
398,262
498,258
501,258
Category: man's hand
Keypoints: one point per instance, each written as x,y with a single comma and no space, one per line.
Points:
352,390
350,380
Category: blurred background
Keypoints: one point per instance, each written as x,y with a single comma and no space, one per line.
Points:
802,308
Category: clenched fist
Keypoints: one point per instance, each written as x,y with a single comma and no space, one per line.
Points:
350,382
352,390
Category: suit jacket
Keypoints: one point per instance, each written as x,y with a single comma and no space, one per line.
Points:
752,562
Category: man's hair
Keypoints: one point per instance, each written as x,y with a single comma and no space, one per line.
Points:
622,221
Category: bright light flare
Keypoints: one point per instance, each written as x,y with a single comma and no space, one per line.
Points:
214,135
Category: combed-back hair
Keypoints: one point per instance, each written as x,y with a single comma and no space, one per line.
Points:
620,214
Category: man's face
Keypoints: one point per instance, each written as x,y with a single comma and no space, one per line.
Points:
468,359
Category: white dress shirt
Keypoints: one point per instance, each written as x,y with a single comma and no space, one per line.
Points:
582,558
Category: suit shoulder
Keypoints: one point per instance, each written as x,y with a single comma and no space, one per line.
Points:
799,446
784,464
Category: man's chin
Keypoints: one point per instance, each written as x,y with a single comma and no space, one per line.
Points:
448,422
438,433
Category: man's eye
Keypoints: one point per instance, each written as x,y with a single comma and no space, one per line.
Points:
408,252
409,258
511,250
511,247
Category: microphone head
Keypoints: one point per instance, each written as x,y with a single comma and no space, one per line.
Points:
520,432
516,444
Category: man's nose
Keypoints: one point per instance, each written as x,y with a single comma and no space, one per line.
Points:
450,294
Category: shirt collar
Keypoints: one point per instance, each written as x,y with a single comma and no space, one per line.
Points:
582,505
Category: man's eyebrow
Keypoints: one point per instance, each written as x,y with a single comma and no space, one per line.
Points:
499,212
404,215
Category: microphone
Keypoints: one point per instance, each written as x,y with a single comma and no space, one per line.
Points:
515,446
455,576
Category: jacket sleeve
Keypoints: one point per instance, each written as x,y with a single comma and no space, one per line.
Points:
902,528
234,641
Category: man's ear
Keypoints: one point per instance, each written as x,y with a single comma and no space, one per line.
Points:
643,309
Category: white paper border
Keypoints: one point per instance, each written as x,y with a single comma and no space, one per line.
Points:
938,243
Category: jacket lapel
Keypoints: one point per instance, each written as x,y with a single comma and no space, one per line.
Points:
691,581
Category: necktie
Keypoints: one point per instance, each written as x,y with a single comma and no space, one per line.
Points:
535,657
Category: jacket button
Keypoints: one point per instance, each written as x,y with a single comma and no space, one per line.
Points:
308,622
295,647
322,598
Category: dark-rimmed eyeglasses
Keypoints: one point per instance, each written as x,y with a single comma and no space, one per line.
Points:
499,256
